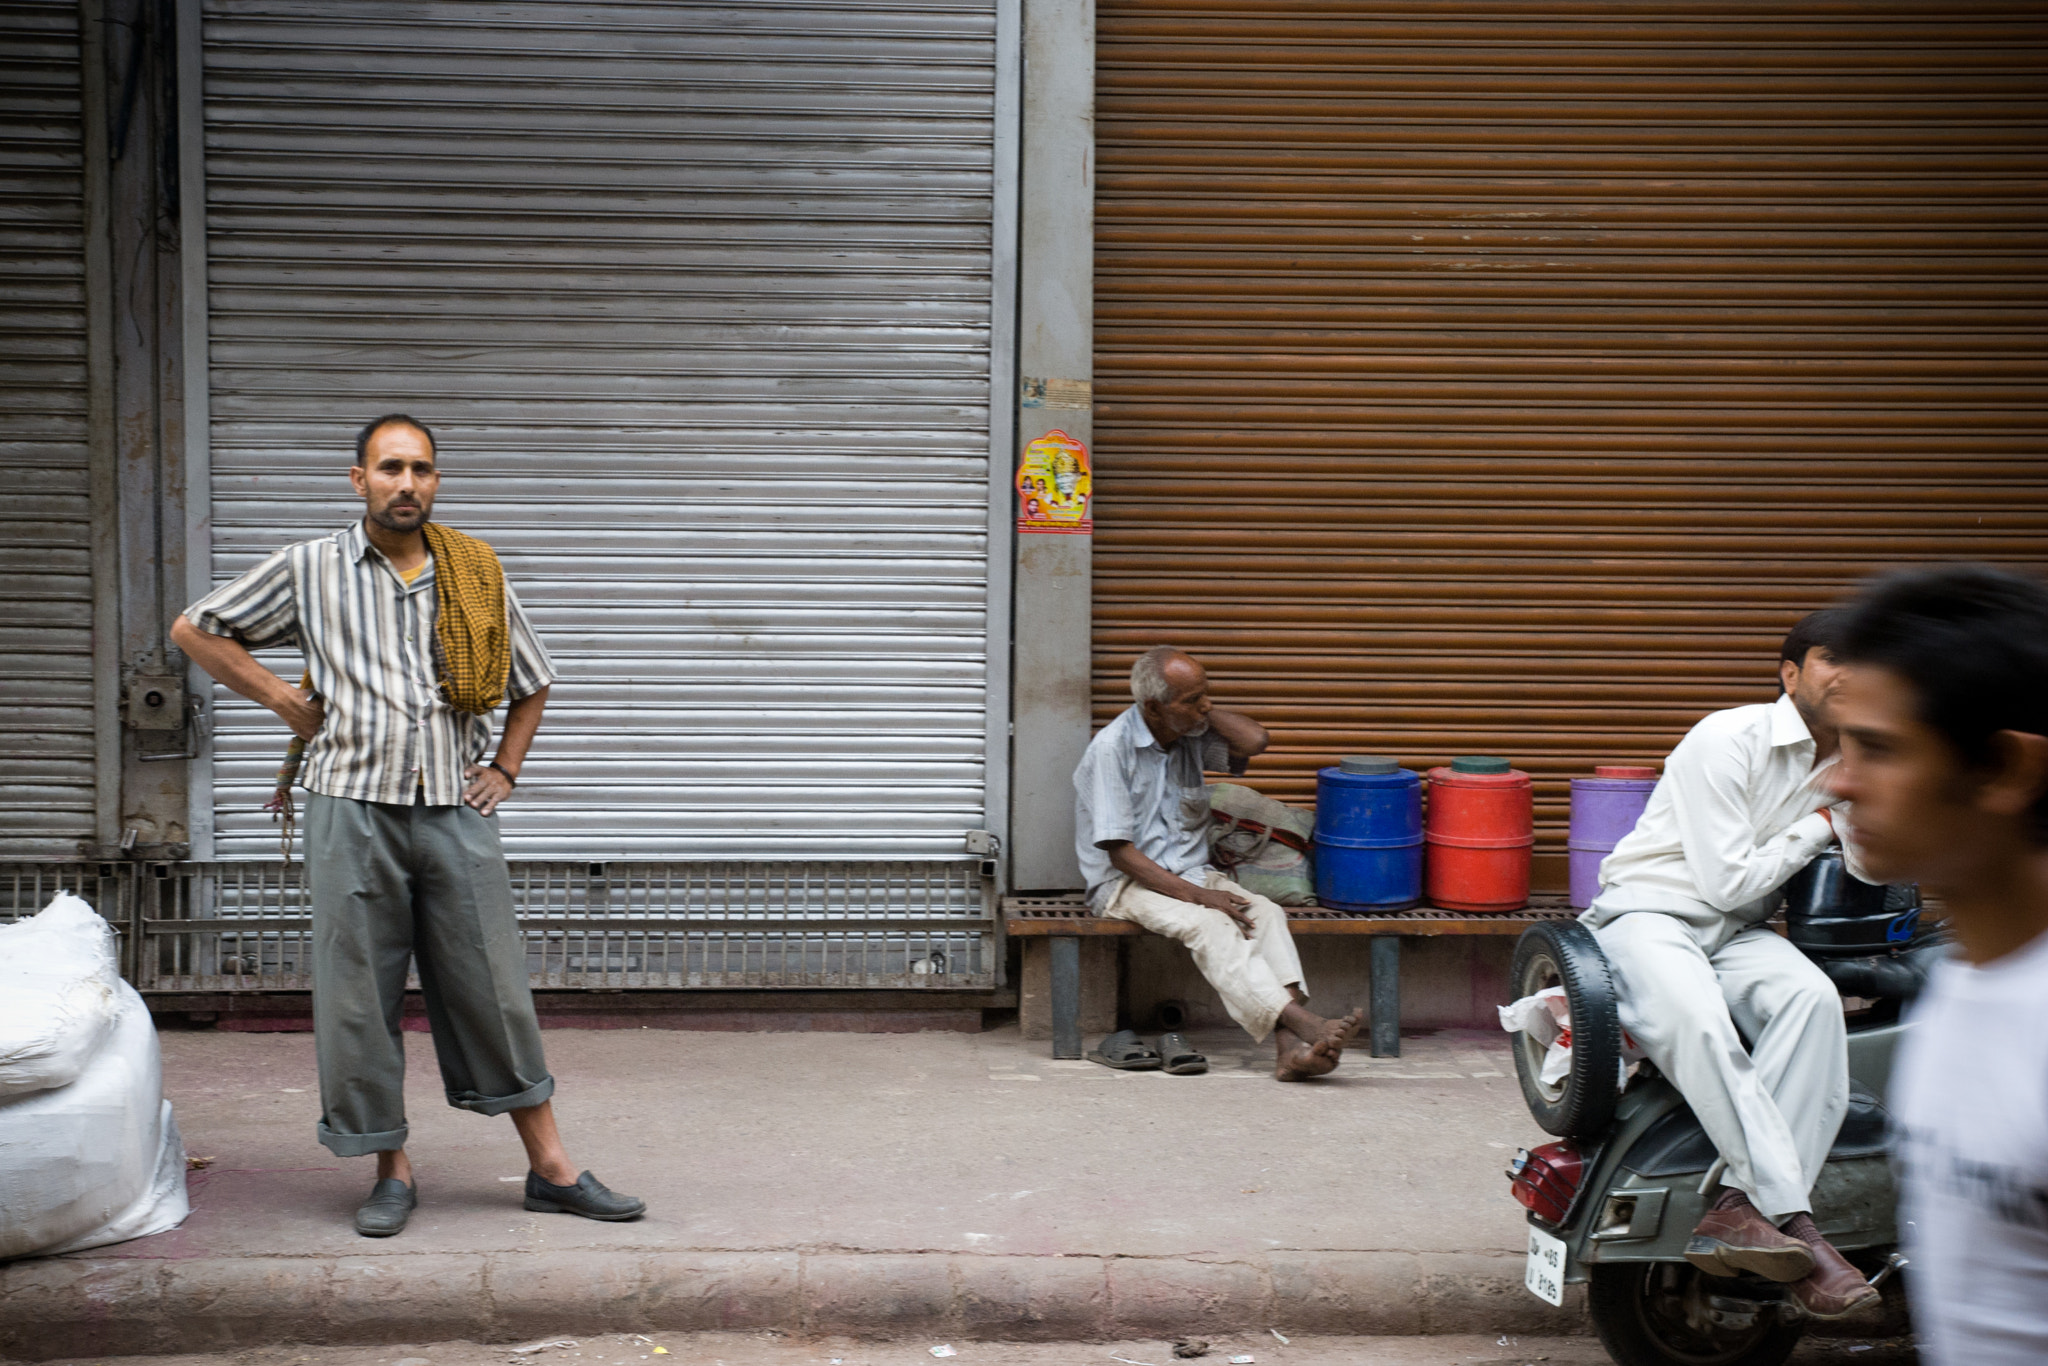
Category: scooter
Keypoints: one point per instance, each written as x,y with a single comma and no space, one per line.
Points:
1612,1204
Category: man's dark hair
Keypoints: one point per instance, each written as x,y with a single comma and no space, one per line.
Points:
1972,642
393,420
1820,630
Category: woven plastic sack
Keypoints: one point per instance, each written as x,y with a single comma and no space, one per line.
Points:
89,1153
98,1161
59,995
1262,845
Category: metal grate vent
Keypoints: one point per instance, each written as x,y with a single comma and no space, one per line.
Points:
27,887
247,926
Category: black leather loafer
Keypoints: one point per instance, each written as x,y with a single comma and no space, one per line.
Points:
589,1197
390,1204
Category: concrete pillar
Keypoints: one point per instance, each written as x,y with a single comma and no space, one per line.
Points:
103,472
139,387
1056,340
1098,988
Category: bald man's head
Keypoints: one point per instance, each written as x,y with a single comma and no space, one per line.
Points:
1158,669
1172,691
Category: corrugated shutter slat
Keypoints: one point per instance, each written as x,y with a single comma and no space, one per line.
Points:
46,716
698,299
1471,378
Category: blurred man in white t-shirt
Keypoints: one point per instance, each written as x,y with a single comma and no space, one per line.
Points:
1943,717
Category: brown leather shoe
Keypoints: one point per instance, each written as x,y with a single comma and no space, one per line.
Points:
1835,1289
1734,1237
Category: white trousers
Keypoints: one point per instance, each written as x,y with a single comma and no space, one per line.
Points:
1692,996
1251,975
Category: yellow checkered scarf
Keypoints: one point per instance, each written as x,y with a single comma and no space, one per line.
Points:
472,639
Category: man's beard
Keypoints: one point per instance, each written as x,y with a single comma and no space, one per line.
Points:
1201,728
390,518
1814,714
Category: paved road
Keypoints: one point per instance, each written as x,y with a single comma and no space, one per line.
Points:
732,1349
930,1187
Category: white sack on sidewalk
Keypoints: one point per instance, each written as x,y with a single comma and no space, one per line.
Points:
1546,1017
97,1160
59,994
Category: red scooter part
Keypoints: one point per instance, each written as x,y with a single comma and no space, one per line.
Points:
1546,1180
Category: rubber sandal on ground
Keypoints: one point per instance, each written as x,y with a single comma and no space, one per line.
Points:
1179,1057
1125,1052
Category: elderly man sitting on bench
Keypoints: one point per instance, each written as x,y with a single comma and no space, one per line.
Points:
1141,830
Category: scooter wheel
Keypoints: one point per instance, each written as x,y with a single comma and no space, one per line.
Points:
1564,953
1672,1314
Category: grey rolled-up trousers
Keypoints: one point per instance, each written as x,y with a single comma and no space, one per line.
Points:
428,883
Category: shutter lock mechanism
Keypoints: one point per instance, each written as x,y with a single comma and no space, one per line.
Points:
156,702
987,845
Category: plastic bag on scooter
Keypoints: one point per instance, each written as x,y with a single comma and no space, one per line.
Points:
1547,1018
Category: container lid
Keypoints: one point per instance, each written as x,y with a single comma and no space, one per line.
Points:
1624,771
1479,763
1368,763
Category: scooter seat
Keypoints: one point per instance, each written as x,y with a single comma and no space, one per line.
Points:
1676,1145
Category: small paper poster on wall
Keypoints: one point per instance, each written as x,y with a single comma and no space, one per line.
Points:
1053,486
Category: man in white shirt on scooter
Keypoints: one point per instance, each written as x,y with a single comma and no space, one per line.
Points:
1944,725
1740,1021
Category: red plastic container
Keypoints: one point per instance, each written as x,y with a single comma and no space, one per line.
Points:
1479,833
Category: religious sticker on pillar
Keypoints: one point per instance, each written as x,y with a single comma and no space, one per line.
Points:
1053,486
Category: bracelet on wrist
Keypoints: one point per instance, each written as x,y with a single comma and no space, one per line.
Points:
493,763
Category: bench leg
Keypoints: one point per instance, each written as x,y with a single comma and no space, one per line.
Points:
1066,995
1386,996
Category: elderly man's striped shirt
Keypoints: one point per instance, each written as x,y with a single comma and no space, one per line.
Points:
368,638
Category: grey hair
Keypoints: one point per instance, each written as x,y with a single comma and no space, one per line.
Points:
1148,675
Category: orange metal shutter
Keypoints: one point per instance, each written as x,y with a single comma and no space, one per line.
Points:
1473,378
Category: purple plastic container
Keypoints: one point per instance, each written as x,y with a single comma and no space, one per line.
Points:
1605,807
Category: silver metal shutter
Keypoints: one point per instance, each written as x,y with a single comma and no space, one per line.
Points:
46,713
698,301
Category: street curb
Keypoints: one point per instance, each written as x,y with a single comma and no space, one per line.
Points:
83,1305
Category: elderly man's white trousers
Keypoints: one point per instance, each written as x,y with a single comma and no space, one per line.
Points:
1691,996
1251,975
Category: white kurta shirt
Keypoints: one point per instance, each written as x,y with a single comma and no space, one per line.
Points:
1734,816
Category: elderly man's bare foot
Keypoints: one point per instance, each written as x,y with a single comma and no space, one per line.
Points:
1299,1060
1309,1045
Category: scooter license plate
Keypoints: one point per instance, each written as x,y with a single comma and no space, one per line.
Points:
1544,1272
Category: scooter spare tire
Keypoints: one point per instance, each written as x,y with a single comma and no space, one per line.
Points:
1564,953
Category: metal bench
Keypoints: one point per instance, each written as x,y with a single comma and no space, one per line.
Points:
1064,920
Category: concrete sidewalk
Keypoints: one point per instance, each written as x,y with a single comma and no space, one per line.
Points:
940,1185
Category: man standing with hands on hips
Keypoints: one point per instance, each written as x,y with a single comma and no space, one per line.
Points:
412,636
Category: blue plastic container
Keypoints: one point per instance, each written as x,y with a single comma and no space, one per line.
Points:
1368,836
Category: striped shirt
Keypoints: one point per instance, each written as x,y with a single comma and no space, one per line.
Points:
368,638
